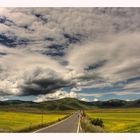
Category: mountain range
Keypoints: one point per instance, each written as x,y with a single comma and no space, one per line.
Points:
66,104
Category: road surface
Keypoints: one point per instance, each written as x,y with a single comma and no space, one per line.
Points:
69,125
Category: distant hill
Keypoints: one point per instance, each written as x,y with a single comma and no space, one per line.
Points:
66,104
116,103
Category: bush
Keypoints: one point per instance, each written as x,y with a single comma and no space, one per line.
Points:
97,122
87,126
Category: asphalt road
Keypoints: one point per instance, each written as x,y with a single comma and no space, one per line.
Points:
69,125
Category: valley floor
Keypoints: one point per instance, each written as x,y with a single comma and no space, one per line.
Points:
118,120
26,122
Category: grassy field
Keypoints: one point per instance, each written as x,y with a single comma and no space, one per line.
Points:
18,121
118,120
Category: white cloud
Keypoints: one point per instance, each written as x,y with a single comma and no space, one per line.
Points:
3,98
105,52
84,99
90,94
95,100
60,94
117,64
76,89
21,67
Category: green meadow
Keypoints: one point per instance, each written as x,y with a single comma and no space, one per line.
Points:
118,120
20,122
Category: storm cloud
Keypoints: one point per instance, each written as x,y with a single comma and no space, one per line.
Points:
46,51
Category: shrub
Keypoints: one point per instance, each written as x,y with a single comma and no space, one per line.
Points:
87,126
97,122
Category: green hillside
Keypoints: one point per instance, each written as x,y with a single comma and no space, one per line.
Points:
64,104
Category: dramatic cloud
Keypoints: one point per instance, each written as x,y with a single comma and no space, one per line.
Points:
111,61
60,94
83,53
25,74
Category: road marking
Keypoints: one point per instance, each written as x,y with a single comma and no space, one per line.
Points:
53,124
78,128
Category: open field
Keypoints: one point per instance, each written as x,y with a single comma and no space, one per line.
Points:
118,120
18,121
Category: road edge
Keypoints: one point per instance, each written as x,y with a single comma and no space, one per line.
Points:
79,122
53,124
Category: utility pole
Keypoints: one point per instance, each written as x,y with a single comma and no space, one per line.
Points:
42,117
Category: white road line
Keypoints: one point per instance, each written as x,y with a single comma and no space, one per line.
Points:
78,128
53,124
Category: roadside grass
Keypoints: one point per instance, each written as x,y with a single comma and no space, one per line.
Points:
87,125
89,128
24,122
118,120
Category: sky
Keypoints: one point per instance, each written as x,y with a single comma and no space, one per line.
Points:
86,53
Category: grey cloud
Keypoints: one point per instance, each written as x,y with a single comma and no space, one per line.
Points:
43,82
72,47
66,24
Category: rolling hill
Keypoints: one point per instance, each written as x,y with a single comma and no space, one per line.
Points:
65,104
